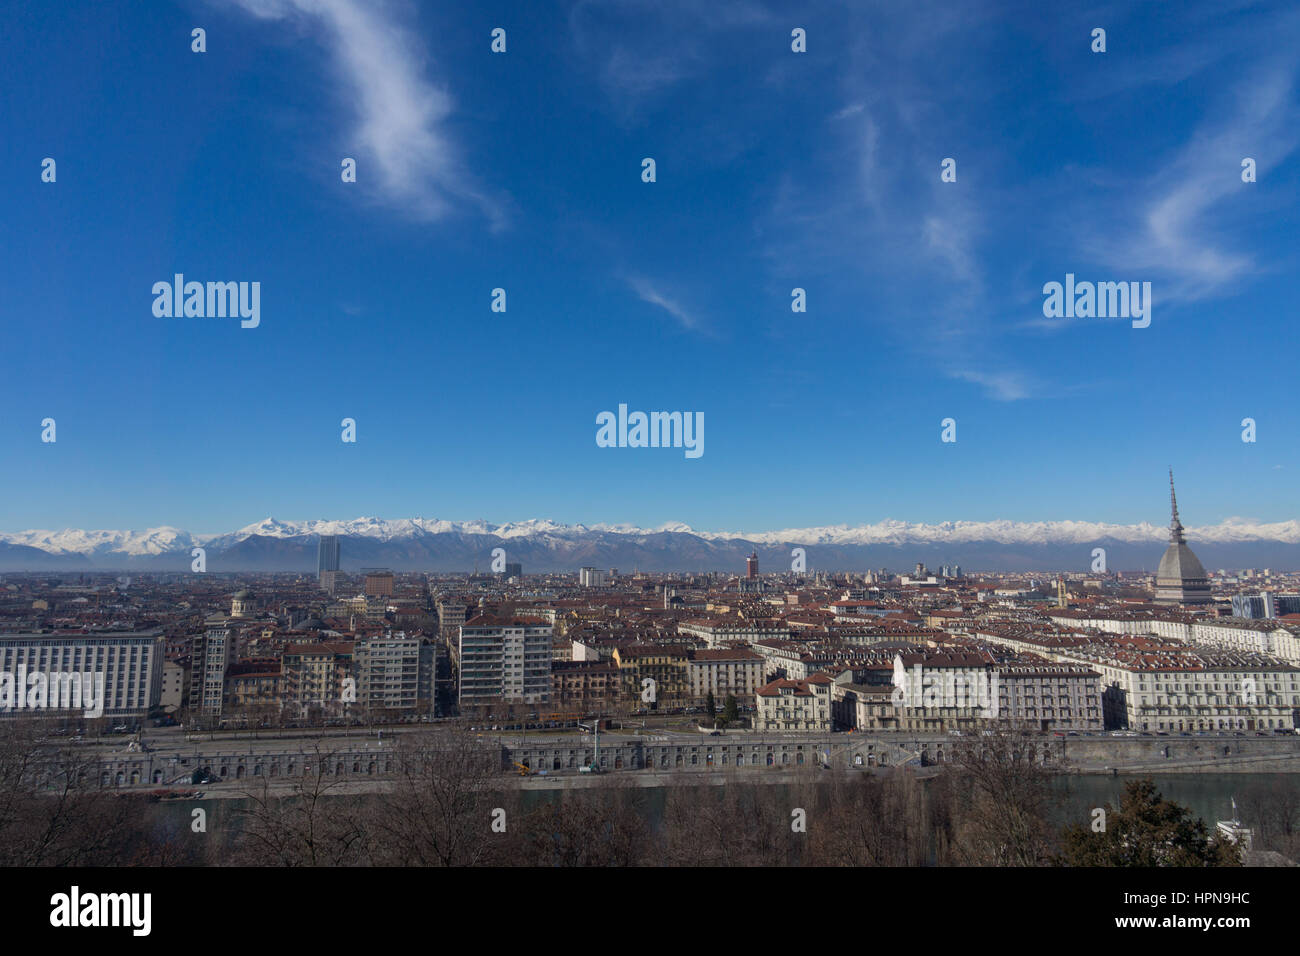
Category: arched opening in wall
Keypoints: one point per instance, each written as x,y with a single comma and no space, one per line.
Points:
275,770
135,777
679,760
257,770
663,761
338,768
370,768
555,764
771,759
799,758
117,780
225,771
618,763
157,776
239,772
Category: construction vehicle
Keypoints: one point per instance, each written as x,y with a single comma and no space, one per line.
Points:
523,770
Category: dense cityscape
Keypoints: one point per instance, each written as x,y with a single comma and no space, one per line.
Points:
184,685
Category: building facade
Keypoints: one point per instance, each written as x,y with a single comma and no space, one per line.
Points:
790,705
504,660
127,666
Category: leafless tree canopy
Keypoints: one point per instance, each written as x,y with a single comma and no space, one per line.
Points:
453,802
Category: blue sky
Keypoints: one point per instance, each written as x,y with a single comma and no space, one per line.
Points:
522,171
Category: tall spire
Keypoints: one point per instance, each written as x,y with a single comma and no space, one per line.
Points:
1175,526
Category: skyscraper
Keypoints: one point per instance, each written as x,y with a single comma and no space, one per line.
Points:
1181,577
327,554
751,566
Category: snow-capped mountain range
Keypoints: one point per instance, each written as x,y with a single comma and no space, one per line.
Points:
543,545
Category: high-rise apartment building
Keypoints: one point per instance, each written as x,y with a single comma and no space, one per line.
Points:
504,660
394,672
213,653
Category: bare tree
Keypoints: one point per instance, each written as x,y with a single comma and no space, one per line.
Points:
605,825
312,825
442,807
1001,794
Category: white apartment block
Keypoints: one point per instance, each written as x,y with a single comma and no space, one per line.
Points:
504,660
1249,635
130,665
1223,697
394,672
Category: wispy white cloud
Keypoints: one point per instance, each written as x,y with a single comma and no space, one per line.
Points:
648,292
1183,230
1006,386
401,114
